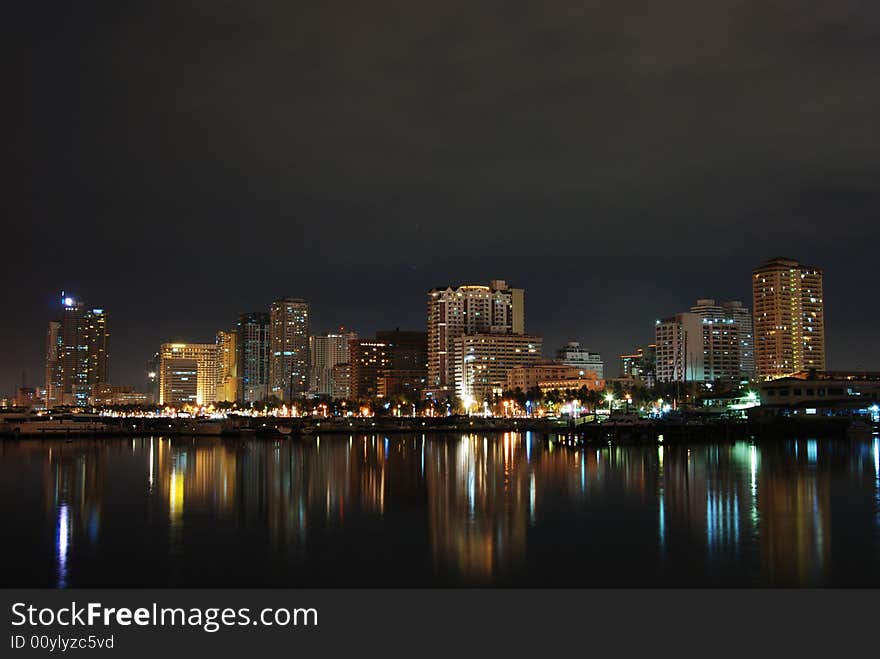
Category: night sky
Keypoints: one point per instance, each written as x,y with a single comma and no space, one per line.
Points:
177,163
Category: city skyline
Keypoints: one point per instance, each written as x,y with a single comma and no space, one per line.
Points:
120,354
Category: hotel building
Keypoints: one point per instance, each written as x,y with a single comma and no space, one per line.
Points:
789,318
468,310
482,362
188,373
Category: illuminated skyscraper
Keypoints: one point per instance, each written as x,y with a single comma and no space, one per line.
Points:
253,357
789,315
80,357
289,348
468,310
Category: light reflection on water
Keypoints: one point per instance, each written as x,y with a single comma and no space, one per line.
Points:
410,510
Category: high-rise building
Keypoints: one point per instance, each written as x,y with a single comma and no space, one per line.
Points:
710,343
342,380
789,318
572,354
468,310
98,347
253,357
80,355
369,357
289,348
482,362
53,365
679,348
188,373
742,317
392,363
227,367
327,350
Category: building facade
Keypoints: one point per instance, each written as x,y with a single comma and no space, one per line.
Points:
289,348
526,378
394,363
253,357
482,362
117,394
572,354
328,350
468,310
227,366
77,353
789,318
710,343
188,373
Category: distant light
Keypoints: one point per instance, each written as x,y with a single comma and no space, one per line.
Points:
68,302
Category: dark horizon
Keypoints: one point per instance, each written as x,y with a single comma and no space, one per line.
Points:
180,163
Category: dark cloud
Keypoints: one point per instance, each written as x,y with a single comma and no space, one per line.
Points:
180,162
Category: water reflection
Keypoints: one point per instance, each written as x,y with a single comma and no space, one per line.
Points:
426,510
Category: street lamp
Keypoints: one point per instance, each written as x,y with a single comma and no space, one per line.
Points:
609,399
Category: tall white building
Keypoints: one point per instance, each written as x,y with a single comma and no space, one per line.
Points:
710,343
465,311
572,354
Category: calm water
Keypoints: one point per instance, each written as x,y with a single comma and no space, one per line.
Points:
437,510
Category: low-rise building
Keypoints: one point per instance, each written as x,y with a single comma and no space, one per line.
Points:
104,395
525,378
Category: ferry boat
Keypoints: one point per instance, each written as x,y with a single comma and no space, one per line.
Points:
58,425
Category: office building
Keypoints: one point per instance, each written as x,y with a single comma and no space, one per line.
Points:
394,363
188,373
289,349
468,310
789,318
253,357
